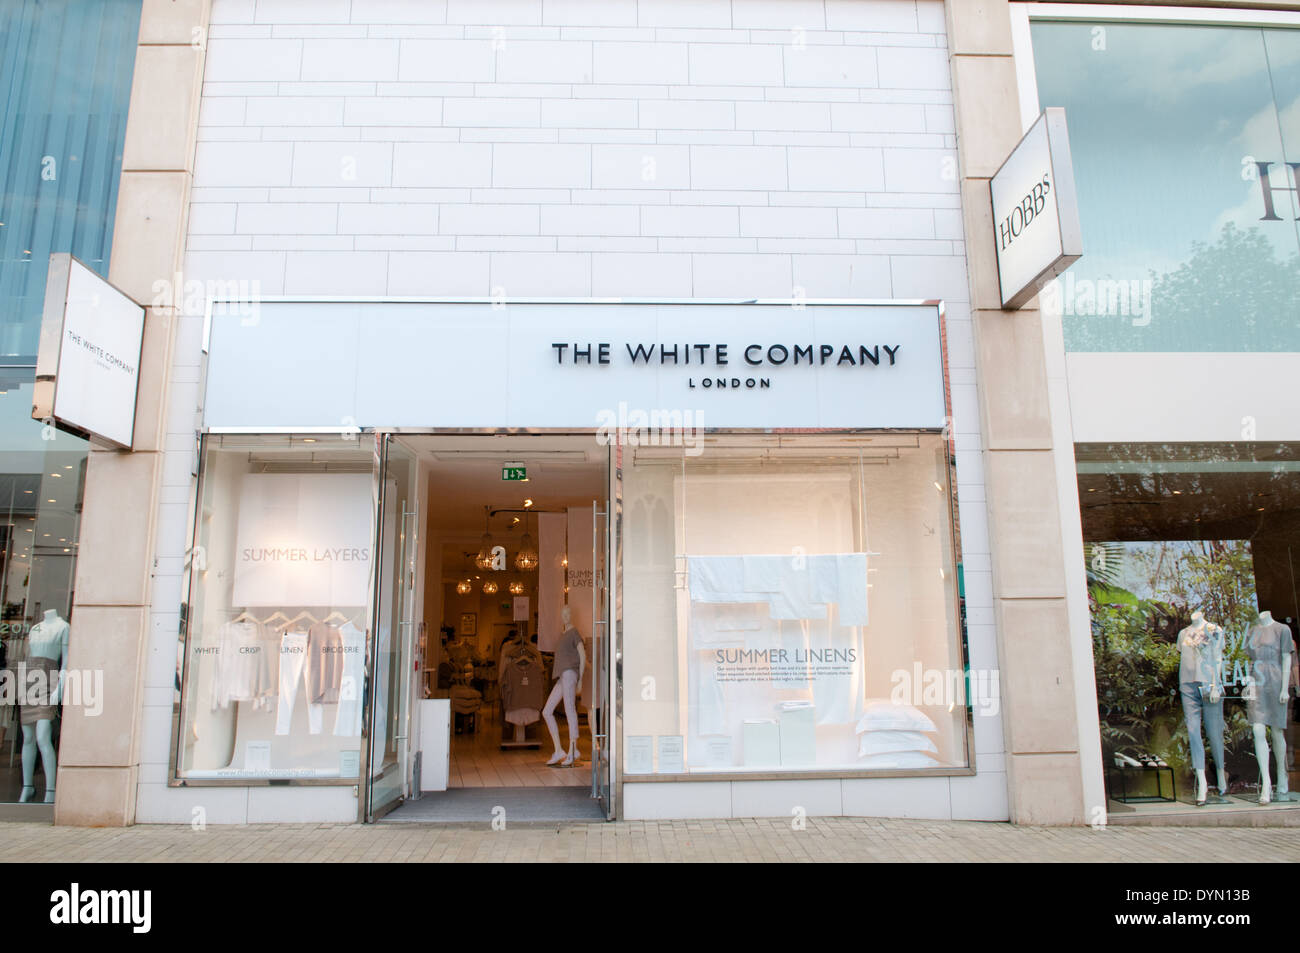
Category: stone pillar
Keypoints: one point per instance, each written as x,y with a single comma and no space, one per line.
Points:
1045,773
99,755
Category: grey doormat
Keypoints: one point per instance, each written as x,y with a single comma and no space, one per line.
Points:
520,805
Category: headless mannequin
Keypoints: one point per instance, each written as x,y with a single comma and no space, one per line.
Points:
567,681
1269,646
1200,648
48,640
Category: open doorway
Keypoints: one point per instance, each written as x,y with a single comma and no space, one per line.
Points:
509,562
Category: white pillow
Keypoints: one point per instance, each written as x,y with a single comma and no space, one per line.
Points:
898,759
884,742
883,715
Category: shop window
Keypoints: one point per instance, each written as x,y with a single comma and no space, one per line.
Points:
791,604
281,574
1185,143
1191,555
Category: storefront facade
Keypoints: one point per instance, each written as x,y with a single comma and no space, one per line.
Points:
60,165
411,228
1186,175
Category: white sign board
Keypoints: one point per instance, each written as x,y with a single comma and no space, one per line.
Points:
1035,210
304,539
88,368
577,364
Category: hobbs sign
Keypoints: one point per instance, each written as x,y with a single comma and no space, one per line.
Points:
1035,215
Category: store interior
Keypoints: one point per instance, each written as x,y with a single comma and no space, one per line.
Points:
1178,538
508,546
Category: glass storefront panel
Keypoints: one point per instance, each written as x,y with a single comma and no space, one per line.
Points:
1169,128
790,604
65,72
1192,551
42,478
273,662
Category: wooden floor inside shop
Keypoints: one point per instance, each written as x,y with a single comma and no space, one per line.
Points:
477,760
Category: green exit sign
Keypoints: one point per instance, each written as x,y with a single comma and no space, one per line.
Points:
514,473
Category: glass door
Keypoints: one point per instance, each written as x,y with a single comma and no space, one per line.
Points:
601,739
389,718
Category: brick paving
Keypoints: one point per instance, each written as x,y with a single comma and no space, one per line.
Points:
752,841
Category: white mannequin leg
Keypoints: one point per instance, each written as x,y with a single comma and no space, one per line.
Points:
1261,756
29,763
49,761
1201,785
548,713
569,682
1279,756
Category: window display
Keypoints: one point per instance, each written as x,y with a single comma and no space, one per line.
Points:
791,604
274,659
1190,550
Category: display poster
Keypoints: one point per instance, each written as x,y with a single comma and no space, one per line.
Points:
257,756
640,754
520,609
672,755
303,539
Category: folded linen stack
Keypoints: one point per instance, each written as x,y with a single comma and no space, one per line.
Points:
894,736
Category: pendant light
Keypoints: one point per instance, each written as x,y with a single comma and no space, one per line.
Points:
526,559
489,588
516,588
463,587
484,558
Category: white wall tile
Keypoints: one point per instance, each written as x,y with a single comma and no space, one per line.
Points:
287,218
589,220
529,274
349,60
586,13
441,165
843,276
685,220
483,219
541,166
258,164
495,113
447,61
392,111
389,12
336,273
897,797
295,11
920,170
495,12
878,117
373,219
438,273
589,113
913,68
634,63
542,61
926,276
686,799
647,275
788,222
851,66
787,799
640,167
883,16
738,167
212,219
783,116
692,14
886,223
742,276
679,114
856,170
343,164
293,111
721,64
245,61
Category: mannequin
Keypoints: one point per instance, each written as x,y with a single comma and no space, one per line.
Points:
47,652
1200,647
570,664
1269,648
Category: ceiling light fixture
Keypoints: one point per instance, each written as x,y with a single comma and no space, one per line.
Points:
526,559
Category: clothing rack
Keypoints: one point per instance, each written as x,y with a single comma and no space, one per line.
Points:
511,653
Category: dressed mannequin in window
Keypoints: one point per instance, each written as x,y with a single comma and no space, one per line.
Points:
1200,647
570,664
1269,647
47,653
